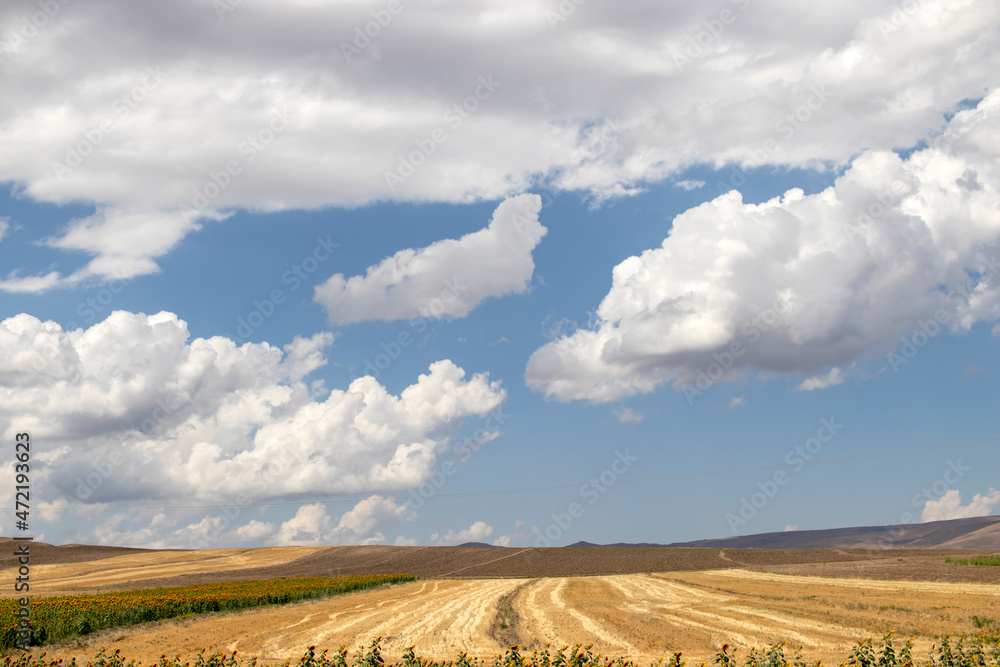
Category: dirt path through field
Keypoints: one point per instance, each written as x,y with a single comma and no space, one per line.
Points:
489,562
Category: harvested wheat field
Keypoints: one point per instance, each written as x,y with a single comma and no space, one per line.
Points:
697,600
652,615
441,617
639,615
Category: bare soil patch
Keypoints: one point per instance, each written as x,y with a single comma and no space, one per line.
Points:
68,553
900,566
77,568
135,568
480,562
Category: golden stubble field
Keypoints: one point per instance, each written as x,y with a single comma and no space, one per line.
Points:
642,615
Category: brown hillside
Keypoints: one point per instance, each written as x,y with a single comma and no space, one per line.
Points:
493,562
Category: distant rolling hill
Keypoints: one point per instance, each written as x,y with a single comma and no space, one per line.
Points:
981,533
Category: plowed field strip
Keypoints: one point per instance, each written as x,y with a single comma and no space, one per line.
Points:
137,567
469,567
866,584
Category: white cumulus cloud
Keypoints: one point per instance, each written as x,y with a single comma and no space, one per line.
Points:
610,102
477,532
949,506
628,416
133,410
829,379
800,283
312,525
447,278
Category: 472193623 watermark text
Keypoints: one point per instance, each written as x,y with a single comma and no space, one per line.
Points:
22,543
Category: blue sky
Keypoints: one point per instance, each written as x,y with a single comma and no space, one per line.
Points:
639,274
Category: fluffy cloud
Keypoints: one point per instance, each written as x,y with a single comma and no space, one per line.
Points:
949,506
447,278
311,524
628,416
4,226
110,103
800,283
132,410
124,243
830,379
690,185
477,532
253,531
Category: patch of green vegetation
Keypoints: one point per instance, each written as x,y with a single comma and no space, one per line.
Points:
506,613
987,561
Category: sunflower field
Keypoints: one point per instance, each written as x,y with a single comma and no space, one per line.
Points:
56,618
